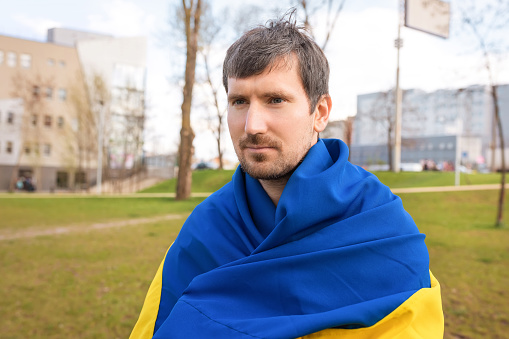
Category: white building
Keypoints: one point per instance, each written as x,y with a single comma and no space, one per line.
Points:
42,133
466,113
11,116
121,64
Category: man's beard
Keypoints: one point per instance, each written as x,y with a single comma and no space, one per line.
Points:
259,166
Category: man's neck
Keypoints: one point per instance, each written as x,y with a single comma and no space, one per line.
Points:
274,188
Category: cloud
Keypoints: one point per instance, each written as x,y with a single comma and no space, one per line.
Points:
122,18
38,26
363,59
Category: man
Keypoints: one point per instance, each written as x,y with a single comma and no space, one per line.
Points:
300,243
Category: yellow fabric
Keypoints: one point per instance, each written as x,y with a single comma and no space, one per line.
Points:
419,317
144,328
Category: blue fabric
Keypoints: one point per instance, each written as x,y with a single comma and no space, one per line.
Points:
338,251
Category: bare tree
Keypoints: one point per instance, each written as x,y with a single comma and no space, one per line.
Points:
128,116
209,34
84,132
192,14
348,132
486,24
213,33
319,8
381,113
248,16
217,128
99,97
31,90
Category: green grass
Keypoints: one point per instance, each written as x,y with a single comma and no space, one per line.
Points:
86,285
92,284
20,213
432,178
203,181
212,180
469,257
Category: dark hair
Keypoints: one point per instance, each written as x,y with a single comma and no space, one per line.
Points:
273,44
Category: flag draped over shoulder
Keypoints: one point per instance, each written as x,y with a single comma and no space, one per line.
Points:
338,254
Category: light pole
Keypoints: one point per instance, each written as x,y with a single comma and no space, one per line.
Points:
396,153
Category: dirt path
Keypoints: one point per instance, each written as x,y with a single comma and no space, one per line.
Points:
448,188
32,233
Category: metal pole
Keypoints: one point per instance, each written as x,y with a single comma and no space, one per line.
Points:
457,164
396,154
100,149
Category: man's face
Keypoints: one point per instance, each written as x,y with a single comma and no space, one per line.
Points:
269,122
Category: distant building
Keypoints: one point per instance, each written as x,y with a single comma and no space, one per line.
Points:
503,103
431,122
440,150
50,103
11,116
35,88
337,129
160,166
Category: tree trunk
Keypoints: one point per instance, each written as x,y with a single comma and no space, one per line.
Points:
186,150
501,197
389,148
348,134
219,150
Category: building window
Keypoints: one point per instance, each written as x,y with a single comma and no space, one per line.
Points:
11,59
1,57
27,149
36,91
47,149
60,122
47,120
80,178
49,93
62,94
51,62
62,179
10,118
8,147
62,63
34,119
25,60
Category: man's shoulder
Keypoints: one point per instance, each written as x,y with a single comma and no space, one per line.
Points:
215,206
219,197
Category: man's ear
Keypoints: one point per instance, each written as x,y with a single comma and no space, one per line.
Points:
322,111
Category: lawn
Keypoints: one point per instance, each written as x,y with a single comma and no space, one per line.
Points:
83,285
433,178
36,213
203,181
469,257
91,284
211,180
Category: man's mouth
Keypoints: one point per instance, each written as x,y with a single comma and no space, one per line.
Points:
256,147
258,143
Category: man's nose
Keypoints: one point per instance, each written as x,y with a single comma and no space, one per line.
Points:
255,120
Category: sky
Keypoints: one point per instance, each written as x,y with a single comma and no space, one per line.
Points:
361,54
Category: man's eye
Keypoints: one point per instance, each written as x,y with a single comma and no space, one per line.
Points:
276,100
238,102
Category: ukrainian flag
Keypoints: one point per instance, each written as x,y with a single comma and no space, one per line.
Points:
337,258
